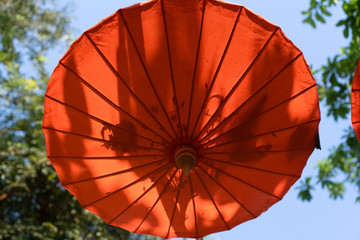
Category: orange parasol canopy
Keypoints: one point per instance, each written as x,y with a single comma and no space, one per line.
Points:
355,102
180,118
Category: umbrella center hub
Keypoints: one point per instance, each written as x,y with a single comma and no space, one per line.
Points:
185,157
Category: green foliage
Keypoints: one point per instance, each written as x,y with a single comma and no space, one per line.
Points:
318,11
342,167
337,73
304,189
33,205
28,29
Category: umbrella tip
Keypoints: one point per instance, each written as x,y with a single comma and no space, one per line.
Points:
185,158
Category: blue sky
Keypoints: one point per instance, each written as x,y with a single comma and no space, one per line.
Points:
290,218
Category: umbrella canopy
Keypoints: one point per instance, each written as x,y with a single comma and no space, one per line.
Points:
355,102
180,118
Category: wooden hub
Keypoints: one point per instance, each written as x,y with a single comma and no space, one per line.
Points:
185,158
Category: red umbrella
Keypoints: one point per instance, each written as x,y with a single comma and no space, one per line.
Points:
355,101
181,118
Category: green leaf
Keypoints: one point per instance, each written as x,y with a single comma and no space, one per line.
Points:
313,4
305,189
319,17
52,176
340,23
346,32
310,21
324,11
305,195
306,13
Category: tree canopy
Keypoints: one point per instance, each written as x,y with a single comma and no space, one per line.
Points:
342,167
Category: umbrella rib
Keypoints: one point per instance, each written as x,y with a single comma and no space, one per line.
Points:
157,200
171,68
239,179
99,139
176,201
102,121
355,122
195,68
107,157
259,114
222,104
126,85
129,185
147,190
226,190
262,134
248,100
111,103
266,151
217,69
193,201
253,168
212,199
146,71
114,173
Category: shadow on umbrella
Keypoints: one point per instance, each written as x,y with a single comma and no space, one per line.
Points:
82,122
